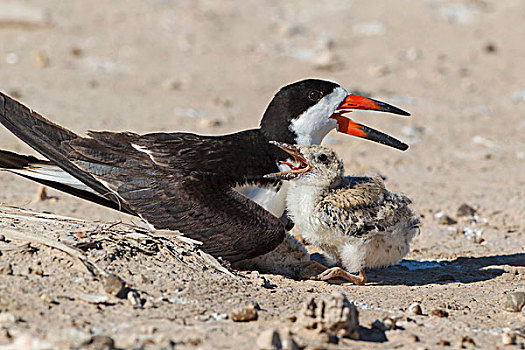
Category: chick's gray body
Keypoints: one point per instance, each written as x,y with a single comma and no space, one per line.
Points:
355,220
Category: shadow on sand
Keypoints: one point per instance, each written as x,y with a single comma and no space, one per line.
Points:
462,270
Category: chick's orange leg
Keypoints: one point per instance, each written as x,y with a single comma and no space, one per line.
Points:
339,272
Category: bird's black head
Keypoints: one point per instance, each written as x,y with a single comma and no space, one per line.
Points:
306,111
289,103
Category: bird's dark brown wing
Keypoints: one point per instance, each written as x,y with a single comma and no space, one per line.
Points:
233,156
202,206
228,224
174,181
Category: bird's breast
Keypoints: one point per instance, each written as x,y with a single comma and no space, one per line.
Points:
271,198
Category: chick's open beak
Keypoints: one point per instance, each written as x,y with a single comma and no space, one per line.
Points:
348,126
300,166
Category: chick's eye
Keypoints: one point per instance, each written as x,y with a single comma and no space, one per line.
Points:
315,95
322,157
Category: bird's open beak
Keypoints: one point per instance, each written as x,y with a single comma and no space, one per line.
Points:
348,126
300,166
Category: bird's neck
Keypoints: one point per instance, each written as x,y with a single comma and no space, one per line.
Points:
280,134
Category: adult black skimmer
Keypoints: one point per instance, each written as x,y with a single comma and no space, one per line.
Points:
184,181
354,220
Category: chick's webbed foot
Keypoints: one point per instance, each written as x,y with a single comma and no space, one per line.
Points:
339,272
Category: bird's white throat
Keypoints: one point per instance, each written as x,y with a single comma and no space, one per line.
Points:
315,123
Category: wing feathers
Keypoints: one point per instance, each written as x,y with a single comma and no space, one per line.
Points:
360,205
47,138
174,181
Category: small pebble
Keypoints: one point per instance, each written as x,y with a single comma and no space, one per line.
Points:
144,279
15,93
415,309
473,235
4,334
76,52
269,340
413,338
389,323
446,220
255,304
134,299
218,316
209,123
42,194
6,268
386,324
148,329
2,238
12,58
514,302
38,271
223,102
102,342
467,340
149,304
288,343
490,48
439,313
465,210
40,58
46,298
172,84
508,339
244,314
259,280
113,285
194,341
212,317
7,317
443,342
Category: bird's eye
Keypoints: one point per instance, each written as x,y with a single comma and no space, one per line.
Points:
315,95
322,157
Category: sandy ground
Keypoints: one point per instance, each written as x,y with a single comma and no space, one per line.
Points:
211,67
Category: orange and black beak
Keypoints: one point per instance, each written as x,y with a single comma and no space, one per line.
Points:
348,126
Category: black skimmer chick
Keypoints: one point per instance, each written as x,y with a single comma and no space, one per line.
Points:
354,220
184,181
